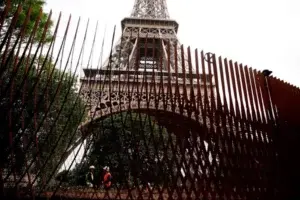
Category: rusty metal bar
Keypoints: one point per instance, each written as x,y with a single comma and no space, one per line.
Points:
4,14
74,133
10,82
33,89
8,37
199,84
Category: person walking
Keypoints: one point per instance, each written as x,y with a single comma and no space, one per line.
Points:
90,177
107,178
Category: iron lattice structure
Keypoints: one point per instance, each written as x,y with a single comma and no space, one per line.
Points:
148,45
170,125
149,21
150,9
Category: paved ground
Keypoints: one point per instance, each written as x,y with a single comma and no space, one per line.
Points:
112,194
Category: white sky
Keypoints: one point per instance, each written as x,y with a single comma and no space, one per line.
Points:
260,33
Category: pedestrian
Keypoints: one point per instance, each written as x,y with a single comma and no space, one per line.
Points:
90,177
146,175
107,178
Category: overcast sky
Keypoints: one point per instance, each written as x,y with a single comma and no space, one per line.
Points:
260,33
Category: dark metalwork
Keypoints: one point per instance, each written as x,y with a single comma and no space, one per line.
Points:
209,57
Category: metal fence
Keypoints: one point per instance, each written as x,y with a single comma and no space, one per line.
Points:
204,128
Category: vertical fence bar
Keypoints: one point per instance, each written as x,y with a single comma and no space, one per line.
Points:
199,84
227,128
219,135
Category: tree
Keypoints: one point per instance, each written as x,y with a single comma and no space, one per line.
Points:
35,5
134,147
42,114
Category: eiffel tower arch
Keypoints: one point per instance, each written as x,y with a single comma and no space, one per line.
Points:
147,68
149,72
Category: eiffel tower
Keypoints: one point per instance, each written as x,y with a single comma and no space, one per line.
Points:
149,23
148,45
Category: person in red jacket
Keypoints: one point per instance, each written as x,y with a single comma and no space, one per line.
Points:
107,178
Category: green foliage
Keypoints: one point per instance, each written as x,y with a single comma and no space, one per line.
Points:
28,116
136,149
35,5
